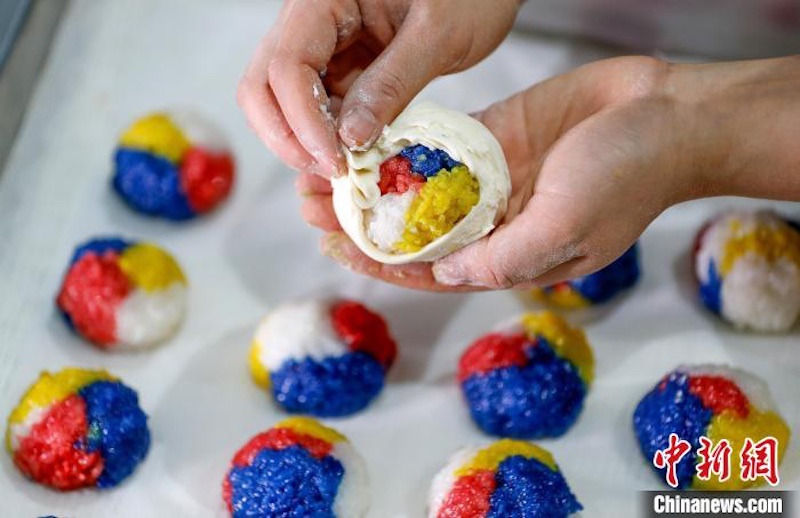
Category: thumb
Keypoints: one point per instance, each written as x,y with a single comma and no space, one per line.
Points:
382,91
528,248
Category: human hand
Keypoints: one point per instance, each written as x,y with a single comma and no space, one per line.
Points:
363,60
596,154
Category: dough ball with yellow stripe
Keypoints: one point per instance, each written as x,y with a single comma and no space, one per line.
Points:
119,293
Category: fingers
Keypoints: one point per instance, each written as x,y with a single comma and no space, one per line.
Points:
516,253
563,272
340,248
317,208
304,103
266,119
318,211
281,92
389,84
307,184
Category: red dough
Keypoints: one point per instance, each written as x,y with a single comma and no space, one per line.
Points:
279,439
93,289
469,496
206,178
364,330
52,454
397,176
493,351
719,394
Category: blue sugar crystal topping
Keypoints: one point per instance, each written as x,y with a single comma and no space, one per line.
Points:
334,387
528,487
117,428
287,483
671,408
426,161
540,399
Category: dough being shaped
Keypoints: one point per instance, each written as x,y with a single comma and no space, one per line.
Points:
506,478
122,294
596,288
175,165
747,264
713,401
529,378
434,181
327,358
78,428
297,468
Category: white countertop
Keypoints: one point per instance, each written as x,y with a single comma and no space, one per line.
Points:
114,61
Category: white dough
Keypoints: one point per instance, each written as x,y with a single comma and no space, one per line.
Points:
200,131
297,330
386,222
147,318
464,139
760,295
353,498
755,293
443,482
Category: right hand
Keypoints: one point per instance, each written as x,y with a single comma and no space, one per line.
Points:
361,61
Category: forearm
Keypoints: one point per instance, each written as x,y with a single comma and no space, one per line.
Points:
742,126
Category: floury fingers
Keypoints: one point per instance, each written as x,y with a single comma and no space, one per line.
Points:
506,478
297,468
78,428
327,358
175,165
747,265
595,288
435,181
122,294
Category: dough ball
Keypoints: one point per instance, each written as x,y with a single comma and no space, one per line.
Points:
529,378
121,294
747,265
78,428
595,288
326,358
175,165
506,478
297,468
435,181
714,401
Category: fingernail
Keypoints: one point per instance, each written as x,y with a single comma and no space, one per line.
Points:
359,128
449,274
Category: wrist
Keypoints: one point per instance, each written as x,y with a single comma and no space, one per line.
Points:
739,124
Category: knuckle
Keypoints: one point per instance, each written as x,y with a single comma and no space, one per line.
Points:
275,66
639,76
392,85
627,78
501,273
281,133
